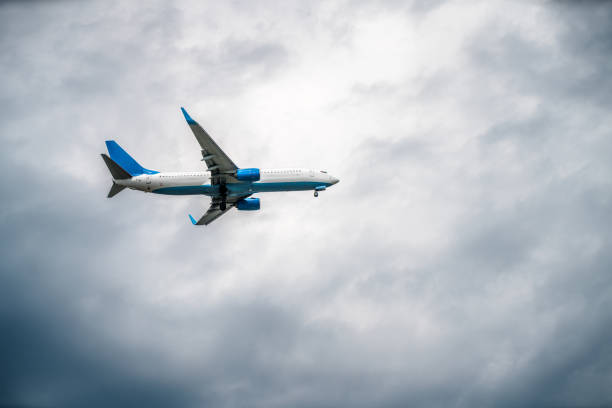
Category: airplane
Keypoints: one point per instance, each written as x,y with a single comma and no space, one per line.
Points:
228,185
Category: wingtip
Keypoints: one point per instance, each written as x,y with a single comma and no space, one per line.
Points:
193,221
187,117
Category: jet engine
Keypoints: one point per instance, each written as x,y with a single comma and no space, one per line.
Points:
247,174
248,204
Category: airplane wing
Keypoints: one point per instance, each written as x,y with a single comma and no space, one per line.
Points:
217,161
215,211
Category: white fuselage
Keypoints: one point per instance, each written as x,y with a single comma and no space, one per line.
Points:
199,182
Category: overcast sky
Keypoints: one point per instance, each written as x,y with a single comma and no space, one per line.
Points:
465,258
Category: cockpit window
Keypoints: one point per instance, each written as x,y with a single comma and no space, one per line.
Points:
323,171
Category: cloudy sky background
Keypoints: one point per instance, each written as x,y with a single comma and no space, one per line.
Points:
463,260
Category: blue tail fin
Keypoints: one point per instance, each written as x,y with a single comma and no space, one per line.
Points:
126,161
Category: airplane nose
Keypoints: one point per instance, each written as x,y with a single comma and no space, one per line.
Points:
334,180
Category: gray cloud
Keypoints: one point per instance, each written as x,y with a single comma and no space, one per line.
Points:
463,260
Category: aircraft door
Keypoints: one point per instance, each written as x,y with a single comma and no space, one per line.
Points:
148,182
311,173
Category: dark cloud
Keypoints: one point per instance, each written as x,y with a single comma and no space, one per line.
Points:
463,260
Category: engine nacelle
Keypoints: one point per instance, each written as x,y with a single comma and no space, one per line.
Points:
248,204
247,174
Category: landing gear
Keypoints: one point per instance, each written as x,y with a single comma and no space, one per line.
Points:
316,193
223,192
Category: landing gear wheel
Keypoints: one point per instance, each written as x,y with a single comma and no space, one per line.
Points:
316,193
223,192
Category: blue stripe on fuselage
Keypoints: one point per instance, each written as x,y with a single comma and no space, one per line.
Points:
186,190
242,188
260,187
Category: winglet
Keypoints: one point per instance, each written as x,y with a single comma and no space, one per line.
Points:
193,221
187,117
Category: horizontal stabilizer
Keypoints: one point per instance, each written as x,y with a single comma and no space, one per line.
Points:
116,171
115,189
